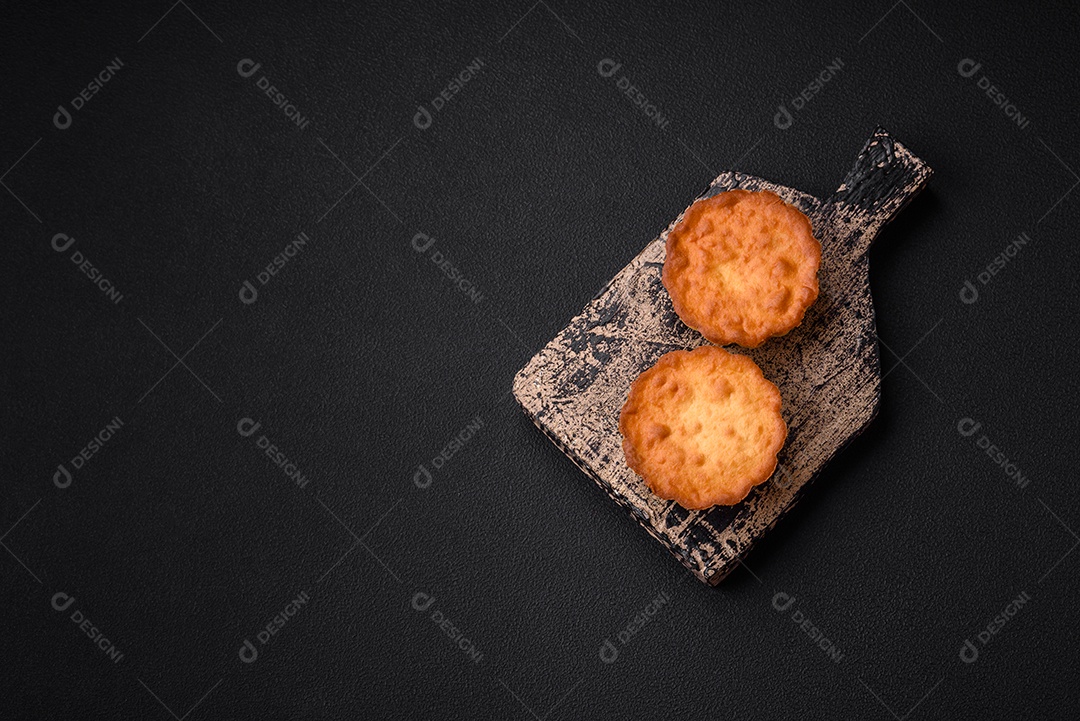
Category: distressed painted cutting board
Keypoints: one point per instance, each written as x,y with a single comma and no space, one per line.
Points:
827,369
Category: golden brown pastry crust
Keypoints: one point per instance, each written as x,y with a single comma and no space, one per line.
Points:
742,266
702,427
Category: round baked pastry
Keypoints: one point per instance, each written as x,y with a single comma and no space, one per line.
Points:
702,427
742,266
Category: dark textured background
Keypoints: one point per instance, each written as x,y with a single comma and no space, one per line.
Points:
361,360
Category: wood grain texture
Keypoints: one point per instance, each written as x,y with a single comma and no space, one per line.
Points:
827,369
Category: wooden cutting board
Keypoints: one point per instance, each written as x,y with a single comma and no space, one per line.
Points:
827,369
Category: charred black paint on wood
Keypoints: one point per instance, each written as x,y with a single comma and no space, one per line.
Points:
827,369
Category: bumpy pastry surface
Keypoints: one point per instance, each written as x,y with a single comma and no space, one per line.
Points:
702,427
742,266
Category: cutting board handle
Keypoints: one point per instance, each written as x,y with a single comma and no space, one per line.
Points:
884,179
